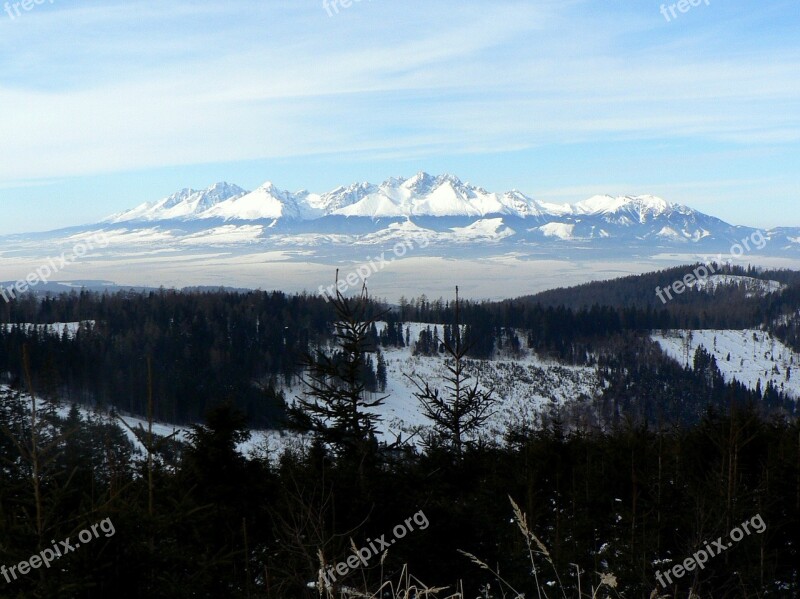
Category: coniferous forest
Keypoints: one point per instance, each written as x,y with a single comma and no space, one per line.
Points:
597,498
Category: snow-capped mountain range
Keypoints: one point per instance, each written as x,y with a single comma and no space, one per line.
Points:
443,209
421,195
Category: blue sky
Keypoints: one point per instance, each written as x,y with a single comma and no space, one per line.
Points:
107,104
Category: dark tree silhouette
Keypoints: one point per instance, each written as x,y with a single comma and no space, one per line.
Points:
463,407
337,406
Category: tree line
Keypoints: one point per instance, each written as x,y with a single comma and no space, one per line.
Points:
246,347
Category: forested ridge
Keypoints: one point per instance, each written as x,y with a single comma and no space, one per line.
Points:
245,347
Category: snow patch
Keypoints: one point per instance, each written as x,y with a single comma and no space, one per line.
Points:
748,356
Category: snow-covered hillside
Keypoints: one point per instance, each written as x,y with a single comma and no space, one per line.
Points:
754,287
523,386
749,356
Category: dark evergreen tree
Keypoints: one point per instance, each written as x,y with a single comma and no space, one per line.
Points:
461,409
381,372
336,405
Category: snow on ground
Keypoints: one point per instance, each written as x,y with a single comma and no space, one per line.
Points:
260,443
523,385
749,356
160,429
754,287
560,230
56,328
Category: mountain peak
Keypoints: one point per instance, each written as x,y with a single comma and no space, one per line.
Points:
183,204
420,183
222,186
217,193
652,202
610,204
447,178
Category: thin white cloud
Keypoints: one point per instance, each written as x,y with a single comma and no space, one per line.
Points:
242,81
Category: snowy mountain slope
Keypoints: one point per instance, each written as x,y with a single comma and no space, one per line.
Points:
266,202
639,207
187,203
749,356
523,387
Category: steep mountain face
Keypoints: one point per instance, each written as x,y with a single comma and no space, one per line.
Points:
266,202
187,203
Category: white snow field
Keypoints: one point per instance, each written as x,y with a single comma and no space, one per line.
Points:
753,287
755,356
522,385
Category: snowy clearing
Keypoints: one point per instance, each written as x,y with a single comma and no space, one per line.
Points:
749,356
